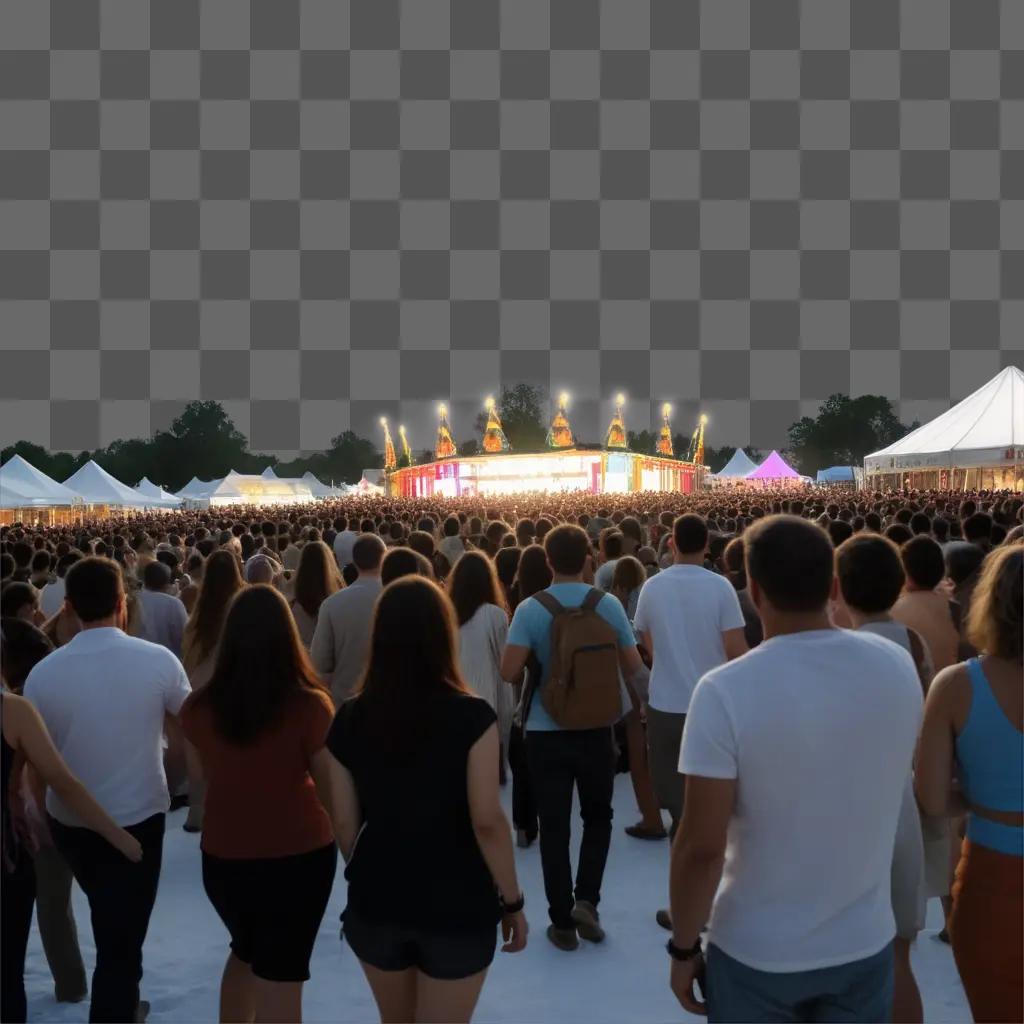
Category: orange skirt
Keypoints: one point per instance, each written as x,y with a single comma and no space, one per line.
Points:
987,932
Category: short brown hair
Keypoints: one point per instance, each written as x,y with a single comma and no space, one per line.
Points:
870,572
567,547
790,559
994,623
94,587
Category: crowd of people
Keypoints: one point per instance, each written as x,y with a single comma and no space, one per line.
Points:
817,695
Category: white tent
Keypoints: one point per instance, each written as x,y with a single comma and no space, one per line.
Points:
318,488
148,489
24,486
738,466
269,474
254,489
196,488
98,487
985,430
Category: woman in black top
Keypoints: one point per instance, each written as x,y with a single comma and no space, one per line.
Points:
415,782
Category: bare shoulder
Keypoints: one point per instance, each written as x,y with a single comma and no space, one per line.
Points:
950,694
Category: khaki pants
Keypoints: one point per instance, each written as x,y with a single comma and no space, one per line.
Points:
57,925
664,735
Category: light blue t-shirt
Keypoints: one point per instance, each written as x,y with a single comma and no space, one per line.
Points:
531,627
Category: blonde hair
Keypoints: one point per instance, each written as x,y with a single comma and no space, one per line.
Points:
994,622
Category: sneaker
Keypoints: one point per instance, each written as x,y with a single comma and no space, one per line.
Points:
523,839
142,1011
664,918
587,921
564,939
77,996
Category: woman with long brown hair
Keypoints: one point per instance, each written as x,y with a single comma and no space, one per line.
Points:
415,779
258,727
974,726
315,580
482,616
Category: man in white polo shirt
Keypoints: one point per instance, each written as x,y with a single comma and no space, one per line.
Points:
105,698
690,621
796,759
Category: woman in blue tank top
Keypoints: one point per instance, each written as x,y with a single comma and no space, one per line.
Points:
973,719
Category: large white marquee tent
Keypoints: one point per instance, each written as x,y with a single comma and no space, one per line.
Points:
977,443
22,486
98,487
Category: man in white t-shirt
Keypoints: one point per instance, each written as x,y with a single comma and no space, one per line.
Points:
796,758
163,615
106,698
343,541
690,621
612,542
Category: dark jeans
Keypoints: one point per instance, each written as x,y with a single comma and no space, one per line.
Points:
121,897
524,803
859,992
19,893
584,758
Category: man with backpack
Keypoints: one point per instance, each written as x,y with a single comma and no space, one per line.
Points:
581,639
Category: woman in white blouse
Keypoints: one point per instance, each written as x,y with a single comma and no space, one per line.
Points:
482,615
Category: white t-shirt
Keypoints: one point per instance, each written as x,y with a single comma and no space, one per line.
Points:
685,608
103,697
163,619
343,542
819,729
51,597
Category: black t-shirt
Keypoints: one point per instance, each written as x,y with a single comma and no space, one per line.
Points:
416,860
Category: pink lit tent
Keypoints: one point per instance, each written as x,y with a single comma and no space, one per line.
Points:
773,468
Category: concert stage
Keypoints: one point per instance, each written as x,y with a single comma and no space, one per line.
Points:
591,470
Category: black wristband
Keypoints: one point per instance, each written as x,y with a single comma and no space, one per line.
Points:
515,906
683,954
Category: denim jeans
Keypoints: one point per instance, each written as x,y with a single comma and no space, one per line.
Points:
853,992
559,761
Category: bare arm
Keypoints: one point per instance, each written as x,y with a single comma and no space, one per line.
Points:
933,765
513,661
734,642
34,743
321,650
491,828
337,792
698,855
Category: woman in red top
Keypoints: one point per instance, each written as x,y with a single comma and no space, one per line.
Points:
269,855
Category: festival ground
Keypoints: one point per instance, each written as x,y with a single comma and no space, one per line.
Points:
625,979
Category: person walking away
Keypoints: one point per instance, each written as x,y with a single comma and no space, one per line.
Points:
482,618
105,698
222,580
564,759
627,581
342,635
689,620
972,728
533,574
344,539
26,743
316,579
163,615
921,606
269,857
415,767
776,780
23,647
871,577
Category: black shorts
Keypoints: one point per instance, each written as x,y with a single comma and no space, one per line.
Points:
272,908
446,955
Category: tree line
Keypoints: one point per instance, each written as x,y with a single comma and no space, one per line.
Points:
204,442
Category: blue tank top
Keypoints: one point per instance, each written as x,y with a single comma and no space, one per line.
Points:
990,755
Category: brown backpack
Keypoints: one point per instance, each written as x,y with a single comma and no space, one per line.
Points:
582,686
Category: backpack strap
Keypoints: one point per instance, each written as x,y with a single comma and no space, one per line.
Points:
549,603
592,600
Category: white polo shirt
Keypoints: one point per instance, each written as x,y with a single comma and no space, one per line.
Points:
686,609
103,697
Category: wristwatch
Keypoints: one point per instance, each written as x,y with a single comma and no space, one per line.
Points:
683,954
515,906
